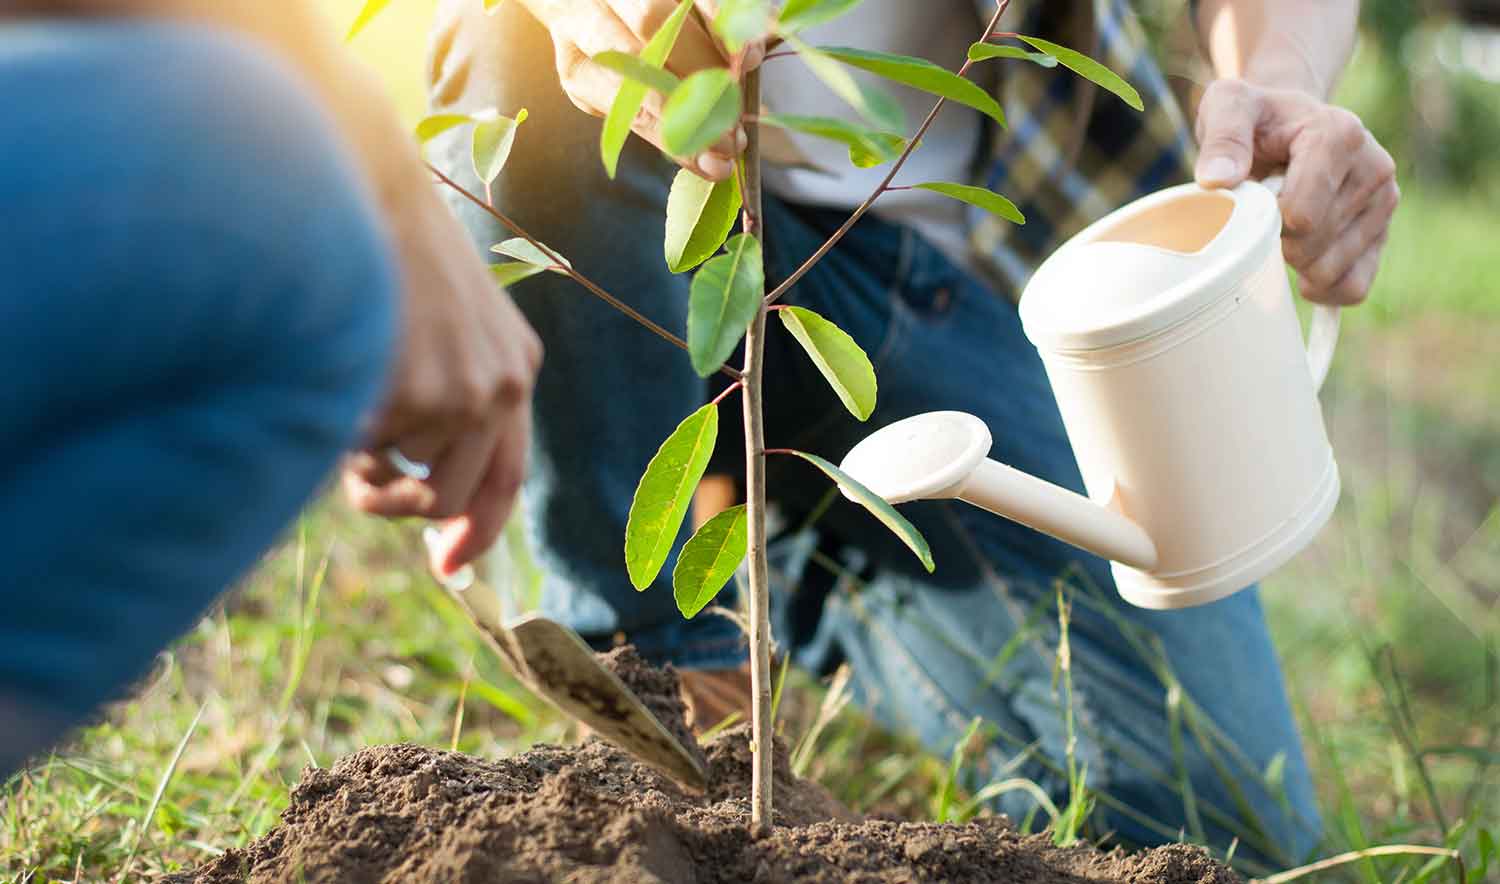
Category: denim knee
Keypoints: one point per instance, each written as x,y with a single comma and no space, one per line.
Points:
200,224
199,308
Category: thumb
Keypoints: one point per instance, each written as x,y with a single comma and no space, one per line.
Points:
1227,118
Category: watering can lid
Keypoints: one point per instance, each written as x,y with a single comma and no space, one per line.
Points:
1145,267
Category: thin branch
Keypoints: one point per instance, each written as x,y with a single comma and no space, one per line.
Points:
885,185
728,391
577,277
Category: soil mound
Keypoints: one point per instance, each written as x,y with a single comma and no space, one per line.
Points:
592,815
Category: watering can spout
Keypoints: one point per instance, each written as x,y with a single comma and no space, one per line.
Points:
944,455
1056,511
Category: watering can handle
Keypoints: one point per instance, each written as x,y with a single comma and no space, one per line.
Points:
1323,330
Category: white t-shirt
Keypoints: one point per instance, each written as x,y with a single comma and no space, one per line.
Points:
938,30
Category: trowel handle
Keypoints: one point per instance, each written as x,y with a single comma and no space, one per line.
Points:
1323,330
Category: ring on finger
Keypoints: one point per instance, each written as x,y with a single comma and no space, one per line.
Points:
404,465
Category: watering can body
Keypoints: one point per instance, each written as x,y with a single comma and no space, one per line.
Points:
1172,343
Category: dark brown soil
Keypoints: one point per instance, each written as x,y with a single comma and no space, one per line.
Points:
659,689
590,815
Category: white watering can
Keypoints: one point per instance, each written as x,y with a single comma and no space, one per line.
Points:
1172,343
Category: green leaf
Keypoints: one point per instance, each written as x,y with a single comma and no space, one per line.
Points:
842,362
366,15
700,215
867,147
628,100
987,51
1487,852
633,68
879,109
665,493
493,140
988,200
1089,69
700,112
725,296
709,560
919,73
742,21
522,250
435,125
799,15
512,272
877,506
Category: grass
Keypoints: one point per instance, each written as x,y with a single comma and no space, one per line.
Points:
1388,627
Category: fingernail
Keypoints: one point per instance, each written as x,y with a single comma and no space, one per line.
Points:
1217,170
714,166
741,140
457,580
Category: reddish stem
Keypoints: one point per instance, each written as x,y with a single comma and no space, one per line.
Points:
577,277
732,388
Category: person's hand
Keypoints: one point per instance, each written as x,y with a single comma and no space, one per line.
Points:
460,399
1340,189
581,29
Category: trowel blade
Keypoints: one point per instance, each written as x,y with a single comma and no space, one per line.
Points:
554,662
565,671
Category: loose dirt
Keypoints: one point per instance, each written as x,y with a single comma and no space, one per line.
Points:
592,815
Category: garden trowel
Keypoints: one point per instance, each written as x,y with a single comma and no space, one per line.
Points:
555,663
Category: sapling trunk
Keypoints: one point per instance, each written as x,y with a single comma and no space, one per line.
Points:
728,288
762,727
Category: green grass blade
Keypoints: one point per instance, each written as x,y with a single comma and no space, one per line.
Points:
161,790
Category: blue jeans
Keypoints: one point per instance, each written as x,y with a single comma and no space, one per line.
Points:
196,311
1178,715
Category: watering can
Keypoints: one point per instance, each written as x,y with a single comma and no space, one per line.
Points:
1174,350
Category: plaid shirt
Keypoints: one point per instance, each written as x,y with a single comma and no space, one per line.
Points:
1072,152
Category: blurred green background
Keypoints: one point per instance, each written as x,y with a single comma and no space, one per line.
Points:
1388,625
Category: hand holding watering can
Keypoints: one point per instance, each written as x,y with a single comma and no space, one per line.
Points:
1172,344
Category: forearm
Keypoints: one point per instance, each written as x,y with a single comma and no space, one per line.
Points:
352,95
1279,44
